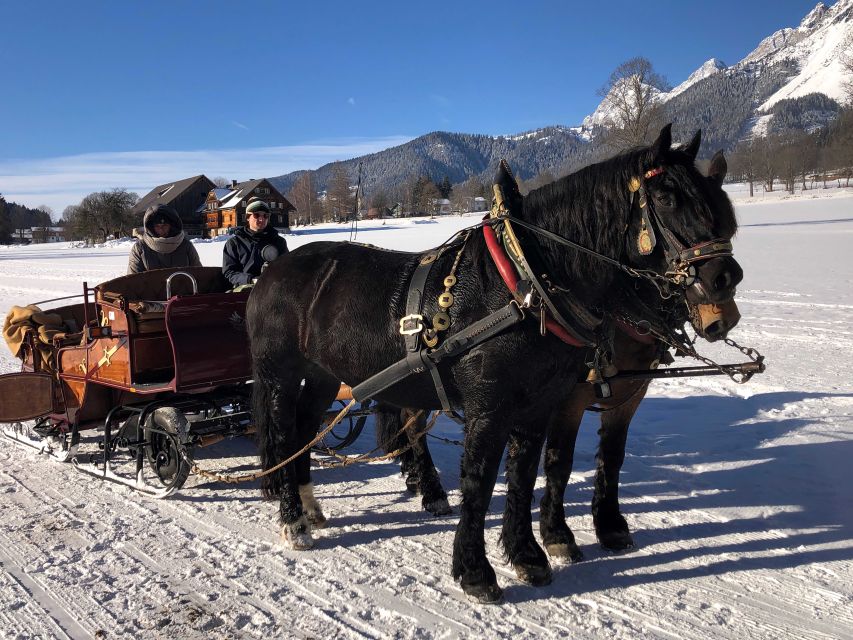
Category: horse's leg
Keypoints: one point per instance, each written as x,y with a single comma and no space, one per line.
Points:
563,428
485,438
611,527
274,396
390,437
434,498
522,463
415,462
317,394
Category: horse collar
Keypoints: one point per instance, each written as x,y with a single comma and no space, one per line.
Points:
526,288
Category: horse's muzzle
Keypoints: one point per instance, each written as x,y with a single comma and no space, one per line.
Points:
716,281
714,321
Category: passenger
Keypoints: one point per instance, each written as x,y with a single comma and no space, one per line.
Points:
163,243
246,251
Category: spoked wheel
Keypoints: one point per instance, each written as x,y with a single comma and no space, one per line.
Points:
165,447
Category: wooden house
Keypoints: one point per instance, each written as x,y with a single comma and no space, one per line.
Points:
225,208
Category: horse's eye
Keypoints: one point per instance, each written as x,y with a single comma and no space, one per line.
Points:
665,199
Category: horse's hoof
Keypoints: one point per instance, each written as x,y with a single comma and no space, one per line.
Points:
616,541
413,485
440,507
297,535
317,520
534,575
564,551
484,593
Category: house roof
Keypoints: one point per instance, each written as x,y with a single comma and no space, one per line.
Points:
167,193
243,191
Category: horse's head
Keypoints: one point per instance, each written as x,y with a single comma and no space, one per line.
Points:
681,225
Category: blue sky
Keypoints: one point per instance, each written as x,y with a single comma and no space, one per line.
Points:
131,94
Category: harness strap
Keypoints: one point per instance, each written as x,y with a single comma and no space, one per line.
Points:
418,362
468,338
412,324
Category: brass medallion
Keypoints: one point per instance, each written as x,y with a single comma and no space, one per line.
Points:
440,321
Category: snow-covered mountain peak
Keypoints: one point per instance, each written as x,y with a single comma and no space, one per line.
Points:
708,68
814,16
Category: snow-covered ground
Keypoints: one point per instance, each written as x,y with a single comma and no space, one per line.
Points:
739,496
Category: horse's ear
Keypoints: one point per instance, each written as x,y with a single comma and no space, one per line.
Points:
718,168
692,149
508,185
664,142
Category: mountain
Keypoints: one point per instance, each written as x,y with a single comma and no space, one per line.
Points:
793,80
457,156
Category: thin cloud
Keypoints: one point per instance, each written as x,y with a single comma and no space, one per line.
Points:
351,101
59,182
440,100
239,125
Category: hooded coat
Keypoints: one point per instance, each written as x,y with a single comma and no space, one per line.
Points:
241,258
152,252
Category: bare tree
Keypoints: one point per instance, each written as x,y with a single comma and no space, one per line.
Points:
221,181
339,196
303,196
379,201
462,198
103,213
632,95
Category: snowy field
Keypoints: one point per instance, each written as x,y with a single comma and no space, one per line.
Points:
739,497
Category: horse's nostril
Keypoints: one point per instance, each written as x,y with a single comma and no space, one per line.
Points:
714,328
723,281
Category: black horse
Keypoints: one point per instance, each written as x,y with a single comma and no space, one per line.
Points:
631,351
330,311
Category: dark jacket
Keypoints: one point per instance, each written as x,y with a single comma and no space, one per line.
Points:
241,257
151,252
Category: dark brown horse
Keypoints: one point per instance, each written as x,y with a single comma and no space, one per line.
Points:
330,311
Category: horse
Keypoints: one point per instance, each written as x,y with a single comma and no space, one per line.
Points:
631,351
330,311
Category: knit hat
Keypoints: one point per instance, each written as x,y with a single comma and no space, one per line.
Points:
256,204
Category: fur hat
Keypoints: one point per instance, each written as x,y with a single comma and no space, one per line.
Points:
255,205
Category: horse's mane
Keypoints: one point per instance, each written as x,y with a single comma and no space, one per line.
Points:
591,206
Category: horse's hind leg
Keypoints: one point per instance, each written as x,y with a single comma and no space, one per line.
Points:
274,396
318,392
434,498
563,428
390,437
611,528
522,463
415,462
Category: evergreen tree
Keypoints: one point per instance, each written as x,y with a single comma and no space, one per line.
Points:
5,223
445,188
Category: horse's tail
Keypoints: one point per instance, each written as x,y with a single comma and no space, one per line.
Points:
267,434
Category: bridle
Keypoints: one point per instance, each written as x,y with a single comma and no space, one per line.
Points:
681,257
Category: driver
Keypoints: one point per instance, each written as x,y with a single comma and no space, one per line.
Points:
251,246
